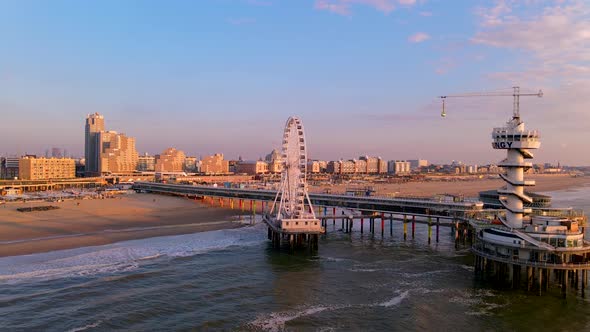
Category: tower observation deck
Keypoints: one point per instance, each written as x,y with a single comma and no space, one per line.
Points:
517,142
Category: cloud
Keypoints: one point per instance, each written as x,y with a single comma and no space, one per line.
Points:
419,37
343,7
555,40
548,43
426,14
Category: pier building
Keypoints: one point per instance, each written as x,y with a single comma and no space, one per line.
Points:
542,245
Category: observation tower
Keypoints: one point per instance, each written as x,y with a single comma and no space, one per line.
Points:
517,141
536,246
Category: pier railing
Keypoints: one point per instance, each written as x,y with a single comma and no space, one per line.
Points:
524,262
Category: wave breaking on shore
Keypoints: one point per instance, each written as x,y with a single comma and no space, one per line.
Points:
122,256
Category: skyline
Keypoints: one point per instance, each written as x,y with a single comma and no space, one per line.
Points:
221,76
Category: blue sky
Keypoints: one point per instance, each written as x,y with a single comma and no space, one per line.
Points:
223,75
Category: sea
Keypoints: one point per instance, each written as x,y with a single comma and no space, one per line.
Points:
232,280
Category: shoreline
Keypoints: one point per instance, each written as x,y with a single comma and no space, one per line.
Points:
105,221
84,223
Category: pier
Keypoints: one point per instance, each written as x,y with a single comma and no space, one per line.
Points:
370,203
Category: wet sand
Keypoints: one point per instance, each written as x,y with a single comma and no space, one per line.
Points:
469,188
104,221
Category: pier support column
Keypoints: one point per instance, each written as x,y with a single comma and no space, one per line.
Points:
382,223
405,227
429,230
334,214
456,234
362,225
583,283
540,281
437,228
529,274
564,283
413,226
391,224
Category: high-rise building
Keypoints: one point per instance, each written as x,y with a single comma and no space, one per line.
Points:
9,168
313,166
252,167
117,153
92,151
347,167
372,164
146,163
334,167
214,164
32,168
382,166
361,166
417,163
171,160
191,164
398,167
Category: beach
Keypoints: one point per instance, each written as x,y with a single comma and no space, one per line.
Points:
79,223
92,222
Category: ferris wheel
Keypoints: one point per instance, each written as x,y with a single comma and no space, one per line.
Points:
293,189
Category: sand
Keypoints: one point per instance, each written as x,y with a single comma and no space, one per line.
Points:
468,188
137,216
104,221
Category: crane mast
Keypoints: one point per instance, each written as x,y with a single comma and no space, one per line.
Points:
516,94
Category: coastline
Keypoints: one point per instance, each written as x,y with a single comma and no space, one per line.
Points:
104,221
83,223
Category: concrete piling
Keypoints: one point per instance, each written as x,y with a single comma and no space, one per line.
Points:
405,227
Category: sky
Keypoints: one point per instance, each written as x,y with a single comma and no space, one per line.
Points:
212,76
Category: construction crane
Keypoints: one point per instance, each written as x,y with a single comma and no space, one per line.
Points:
515,93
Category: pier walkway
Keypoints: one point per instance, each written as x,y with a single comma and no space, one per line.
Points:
442,207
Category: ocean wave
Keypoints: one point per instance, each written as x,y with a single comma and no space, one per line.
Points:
86,327
396,300
123,256
276,321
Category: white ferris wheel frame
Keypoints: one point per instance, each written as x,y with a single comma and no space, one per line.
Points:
293,189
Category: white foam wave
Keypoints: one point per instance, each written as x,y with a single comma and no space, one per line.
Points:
424,274
122,256
396,300
468,268
276,321
86,327
364,270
